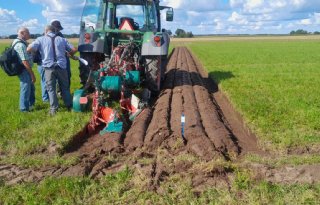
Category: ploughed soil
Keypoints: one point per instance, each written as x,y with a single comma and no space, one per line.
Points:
154,147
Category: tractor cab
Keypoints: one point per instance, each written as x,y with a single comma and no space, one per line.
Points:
137,16
106,23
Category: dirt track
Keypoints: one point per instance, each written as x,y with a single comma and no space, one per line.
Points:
153,146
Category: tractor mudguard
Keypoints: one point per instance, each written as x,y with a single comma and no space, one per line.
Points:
150,47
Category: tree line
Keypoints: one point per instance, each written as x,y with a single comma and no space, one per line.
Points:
179,33
303,32
34,36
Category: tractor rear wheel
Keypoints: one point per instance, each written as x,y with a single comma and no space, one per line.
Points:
93,60
153,73
164,62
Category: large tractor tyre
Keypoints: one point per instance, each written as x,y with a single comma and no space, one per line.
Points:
84,71
153,73
164,62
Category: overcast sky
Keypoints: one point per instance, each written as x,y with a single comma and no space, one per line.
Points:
198,16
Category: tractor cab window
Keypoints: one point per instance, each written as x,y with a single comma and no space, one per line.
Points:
141,17
93,14
152,16
134,14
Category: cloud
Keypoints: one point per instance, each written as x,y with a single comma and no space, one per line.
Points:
199,5
238,19
7,16
32,23
9,21
200,17
246,16
67,11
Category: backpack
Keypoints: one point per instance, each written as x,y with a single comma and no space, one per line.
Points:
9,61
37,58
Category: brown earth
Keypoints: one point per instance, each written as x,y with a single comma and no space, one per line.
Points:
154,148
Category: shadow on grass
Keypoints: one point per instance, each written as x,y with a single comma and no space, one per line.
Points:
219,76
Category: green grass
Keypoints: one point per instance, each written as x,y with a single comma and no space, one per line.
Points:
279,161
118,189
22,134
267,81
274,85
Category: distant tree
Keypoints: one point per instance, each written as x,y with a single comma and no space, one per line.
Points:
34,36
299,32
316,33
14,36
74,35
180,33
189,34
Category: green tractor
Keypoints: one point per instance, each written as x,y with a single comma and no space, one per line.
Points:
126,51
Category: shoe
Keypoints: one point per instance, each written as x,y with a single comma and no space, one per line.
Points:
52,112
69,108
24,111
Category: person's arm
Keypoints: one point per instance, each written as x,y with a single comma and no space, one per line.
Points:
22,52
71,50
71,53
34,46
29,48
29,69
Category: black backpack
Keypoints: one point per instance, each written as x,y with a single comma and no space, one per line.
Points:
9,61
37,58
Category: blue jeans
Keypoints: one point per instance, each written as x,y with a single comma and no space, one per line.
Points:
44,92
69,70
53,75
27,91
69,73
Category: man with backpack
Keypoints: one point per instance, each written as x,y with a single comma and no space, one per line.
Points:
52,49
27,77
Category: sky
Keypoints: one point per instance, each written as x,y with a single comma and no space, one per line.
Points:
198,16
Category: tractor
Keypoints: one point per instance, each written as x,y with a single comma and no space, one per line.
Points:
126,53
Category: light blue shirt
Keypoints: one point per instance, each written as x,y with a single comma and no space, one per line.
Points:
44,45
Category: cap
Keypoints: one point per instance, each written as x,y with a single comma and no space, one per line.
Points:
57,25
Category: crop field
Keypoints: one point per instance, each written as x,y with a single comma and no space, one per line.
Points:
273,83
252,134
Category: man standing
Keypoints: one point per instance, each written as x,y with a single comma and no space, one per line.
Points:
58,28
52,49
27,78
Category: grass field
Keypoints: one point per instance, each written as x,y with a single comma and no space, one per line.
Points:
120,189
273,83
25,133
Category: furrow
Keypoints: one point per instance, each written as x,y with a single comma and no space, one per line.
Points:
198,141
215,128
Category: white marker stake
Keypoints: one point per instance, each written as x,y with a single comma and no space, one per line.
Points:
183,121
81,60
